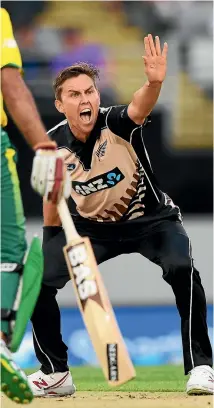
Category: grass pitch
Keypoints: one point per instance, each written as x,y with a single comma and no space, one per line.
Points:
153,387
152,379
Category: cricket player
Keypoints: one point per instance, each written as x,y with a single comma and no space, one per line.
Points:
20,282
116,201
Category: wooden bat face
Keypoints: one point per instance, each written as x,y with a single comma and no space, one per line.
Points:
83,275
97,312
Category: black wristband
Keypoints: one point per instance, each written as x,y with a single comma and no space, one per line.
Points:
50,232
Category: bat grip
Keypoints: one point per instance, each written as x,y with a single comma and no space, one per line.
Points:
67,222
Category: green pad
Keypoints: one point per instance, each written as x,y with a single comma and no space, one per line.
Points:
14,382
31,285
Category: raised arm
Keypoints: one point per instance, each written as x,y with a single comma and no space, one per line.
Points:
155,62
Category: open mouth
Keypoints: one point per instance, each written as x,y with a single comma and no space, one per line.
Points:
85,115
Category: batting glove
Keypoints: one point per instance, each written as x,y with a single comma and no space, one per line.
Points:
49,176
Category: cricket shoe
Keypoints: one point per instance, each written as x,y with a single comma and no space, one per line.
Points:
201,381
51,385
14,382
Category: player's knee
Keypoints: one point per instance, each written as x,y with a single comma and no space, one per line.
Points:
177,267
177,262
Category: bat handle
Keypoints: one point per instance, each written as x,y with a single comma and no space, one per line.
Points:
67,222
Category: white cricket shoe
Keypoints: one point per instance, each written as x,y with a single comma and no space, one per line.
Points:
201,380
51,385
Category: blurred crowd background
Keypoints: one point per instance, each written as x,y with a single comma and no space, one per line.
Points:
54,34
109,34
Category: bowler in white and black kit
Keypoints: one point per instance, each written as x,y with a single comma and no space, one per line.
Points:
117,202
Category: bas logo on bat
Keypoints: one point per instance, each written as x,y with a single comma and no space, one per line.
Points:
101,182
84,278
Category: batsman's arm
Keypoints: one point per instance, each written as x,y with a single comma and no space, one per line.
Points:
50,215
21,106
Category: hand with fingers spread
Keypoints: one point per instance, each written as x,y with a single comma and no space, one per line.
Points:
49,177
155,60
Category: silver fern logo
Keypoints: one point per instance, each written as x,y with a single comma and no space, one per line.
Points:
71,166
101,149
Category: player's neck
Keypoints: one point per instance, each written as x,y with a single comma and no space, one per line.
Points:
78,134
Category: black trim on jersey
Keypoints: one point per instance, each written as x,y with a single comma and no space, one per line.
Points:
121,124
117,120
83,150
153,193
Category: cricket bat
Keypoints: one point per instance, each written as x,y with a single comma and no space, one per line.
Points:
94,304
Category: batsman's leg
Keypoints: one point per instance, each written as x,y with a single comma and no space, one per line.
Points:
16,280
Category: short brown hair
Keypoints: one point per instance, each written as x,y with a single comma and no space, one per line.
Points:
74,71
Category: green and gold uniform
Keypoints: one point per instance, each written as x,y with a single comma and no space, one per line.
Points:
13,243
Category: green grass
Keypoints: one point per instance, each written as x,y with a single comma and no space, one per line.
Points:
153,379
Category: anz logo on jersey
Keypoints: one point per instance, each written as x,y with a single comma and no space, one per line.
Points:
101,182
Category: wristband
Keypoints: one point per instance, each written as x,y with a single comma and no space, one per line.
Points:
45,145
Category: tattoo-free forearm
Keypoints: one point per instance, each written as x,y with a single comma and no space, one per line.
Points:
50,215
143,102
21,106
